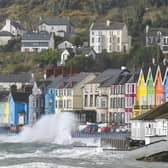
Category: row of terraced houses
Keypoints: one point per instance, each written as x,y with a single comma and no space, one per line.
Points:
113,96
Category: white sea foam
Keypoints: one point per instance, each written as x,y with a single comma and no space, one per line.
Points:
50,128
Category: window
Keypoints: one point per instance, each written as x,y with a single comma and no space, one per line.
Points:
56,104
69,92
64,92
86,101
110,39
111,116
92,33
69,103
118,48
112,89
92,39
60,104
56,93
103,103
60,92
118,40
91,100
103,117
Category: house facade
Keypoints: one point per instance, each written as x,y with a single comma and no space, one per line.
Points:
64,45
36,104
5,37
130,96
18,80
151,126
157,36
112,37
37,42
159,87
4,108
18,108
69,94
62,27
13,27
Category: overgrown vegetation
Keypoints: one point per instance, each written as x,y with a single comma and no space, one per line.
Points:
135,13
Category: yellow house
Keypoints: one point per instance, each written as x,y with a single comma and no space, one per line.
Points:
6,119
141,95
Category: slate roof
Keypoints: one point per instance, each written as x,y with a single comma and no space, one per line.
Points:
154,31
134,78
59,80
22,77
75,79
36,36
156,113
6,33
103,26
20,96
56,21
117,77
17,25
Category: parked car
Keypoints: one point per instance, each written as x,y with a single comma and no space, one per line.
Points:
91,129
105,129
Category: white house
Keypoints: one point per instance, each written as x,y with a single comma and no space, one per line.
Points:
157,36
62,27
151,126
112,37
64,45
5,37
37,42
14,27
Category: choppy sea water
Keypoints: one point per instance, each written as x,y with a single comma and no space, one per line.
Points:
48,155
37,147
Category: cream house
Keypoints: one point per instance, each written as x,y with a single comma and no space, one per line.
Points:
62,27
112,37
69,94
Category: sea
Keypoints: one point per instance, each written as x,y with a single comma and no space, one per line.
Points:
48,144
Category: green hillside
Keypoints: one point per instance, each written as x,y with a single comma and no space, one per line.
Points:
135,13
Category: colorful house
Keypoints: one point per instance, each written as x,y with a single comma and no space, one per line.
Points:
50,101
4,108
165,83
18,108
150,86
141,94
159,86
130,94
51,93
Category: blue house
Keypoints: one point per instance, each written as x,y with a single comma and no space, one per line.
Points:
18,108
50,101
50,95
165,82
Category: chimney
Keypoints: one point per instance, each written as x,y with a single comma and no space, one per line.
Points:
107,22
123,68
153,61
147,29
8,22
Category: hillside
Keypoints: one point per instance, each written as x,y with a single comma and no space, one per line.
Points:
135,13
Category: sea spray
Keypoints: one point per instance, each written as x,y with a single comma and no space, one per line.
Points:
54,128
